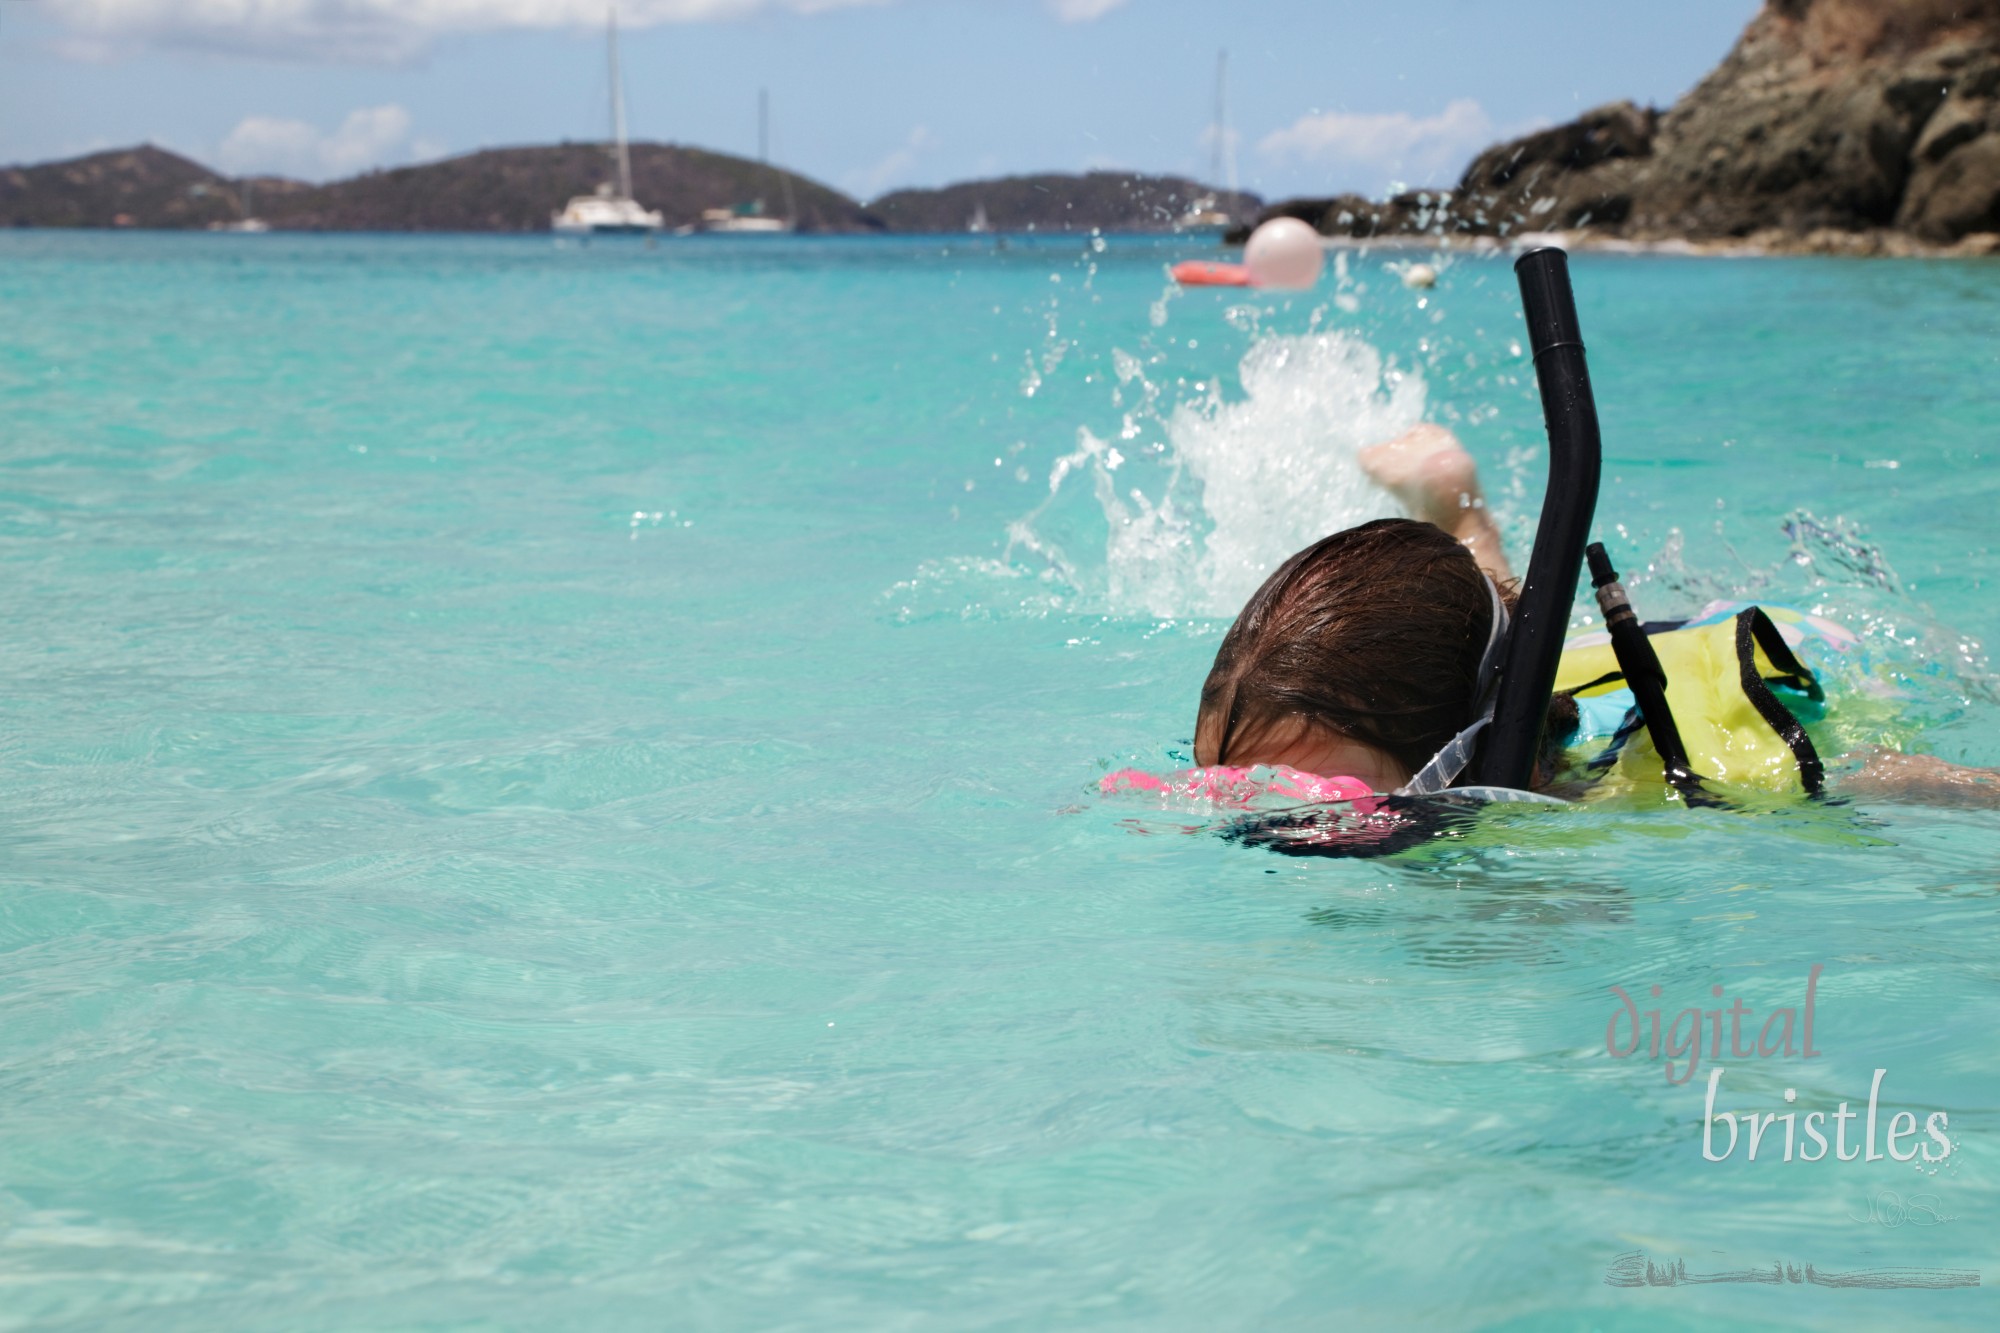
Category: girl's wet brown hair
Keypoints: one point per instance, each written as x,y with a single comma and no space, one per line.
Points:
1374,634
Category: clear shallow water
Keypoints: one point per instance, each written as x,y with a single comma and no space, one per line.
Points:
555,787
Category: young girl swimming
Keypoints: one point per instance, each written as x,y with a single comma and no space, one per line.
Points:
1363,656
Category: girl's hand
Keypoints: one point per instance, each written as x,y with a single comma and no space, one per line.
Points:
1429,472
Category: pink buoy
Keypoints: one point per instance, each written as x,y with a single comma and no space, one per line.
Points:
1284,253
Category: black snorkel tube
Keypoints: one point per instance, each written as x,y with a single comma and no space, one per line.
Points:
1513,740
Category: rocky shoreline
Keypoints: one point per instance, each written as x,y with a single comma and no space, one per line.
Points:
1882,244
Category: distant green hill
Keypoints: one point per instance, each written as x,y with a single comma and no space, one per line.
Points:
1110,200
129,187
516,189
498,189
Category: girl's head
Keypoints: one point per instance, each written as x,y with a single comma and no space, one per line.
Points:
1359,656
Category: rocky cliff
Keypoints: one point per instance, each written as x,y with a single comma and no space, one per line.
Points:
1849,114
1829,118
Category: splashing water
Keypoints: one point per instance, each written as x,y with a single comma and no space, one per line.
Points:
1236,485
1196,493
1931,672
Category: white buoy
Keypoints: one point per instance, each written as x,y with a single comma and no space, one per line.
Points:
1284,253
1418,276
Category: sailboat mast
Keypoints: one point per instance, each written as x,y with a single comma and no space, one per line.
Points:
1220,120
784,177
618,114
1225,151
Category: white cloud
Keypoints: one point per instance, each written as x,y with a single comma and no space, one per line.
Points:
266,145
894,169
375,30
1082,11
1373,147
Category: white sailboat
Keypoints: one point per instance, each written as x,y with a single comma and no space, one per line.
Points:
750,218
744,219
612,210
1207,213
249,224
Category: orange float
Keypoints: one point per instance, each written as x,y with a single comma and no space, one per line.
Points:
1206,273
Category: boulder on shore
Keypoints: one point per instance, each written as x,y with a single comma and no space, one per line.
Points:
1574,175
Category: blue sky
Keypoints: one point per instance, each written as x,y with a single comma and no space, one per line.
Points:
866,95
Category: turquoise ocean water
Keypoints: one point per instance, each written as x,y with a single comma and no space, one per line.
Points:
555,788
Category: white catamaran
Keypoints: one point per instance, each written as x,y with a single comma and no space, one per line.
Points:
612,210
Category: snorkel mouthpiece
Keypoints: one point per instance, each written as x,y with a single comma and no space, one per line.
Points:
1603,576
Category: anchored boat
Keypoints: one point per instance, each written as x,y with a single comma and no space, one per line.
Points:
612,210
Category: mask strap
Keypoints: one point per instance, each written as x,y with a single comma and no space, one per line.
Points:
1449,762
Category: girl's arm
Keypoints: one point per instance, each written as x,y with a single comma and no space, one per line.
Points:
1428,470
1885,775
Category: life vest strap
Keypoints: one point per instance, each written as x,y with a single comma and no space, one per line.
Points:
1754,630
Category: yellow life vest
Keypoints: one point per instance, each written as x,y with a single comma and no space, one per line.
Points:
1727,683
